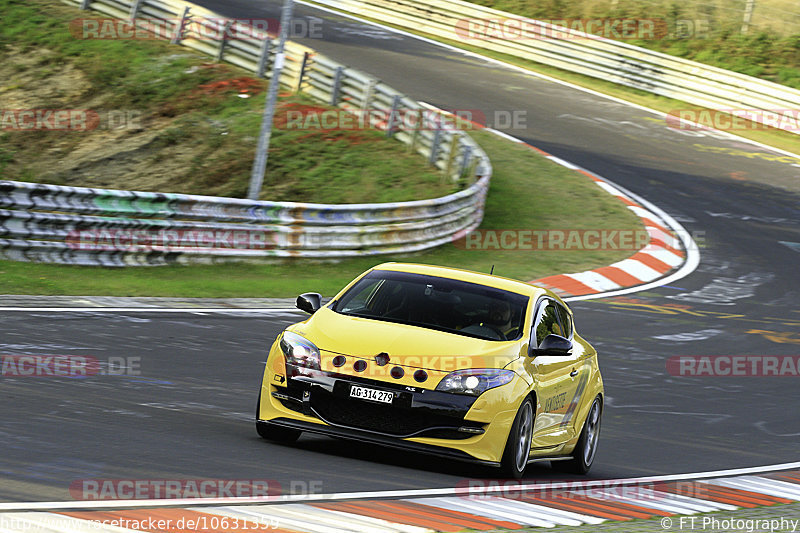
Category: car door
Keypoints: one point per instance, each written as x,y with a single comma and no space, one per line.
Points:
556,379
580,372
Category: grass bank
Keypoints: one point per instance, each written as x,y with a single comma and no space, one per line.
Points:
170,120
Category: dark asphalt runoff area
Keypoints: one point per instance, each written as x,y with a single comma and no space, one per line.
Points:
188,414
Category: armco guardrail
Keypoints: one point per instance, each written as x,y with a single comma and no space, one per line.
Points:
595,56
56,224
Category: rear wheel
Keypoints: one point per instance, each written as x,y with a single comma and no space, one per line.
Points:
518,445
585,450
274,432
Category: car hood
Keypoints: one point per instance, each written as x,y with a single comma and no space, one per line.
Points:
411,346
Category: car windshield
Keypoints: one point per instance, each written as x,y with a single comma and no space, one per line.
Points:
436,303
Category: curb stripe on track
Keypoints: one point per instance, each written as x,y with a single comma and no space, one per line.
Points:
593,503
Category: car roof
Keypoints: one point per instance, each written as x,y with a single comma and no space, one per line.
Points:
481,278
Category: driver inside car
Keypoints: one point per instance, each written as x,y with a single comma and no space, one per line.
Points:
500,318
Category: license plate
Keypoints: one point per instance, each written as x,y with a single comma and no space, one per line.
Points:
374,395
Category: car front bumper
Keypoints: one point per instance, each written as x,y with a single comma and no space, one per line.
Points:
456,426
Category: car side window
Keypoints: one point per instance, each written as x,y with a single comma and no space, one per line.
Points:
566,320
546,321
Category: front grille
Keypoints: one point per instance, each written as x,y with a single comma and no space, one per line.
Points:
386,419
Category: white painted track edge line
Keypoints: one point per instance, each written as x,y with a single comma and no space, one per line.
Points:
562,162
389,494
505,135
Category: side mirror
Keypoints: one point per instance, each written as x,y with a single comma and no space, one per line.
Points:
552,345
309,302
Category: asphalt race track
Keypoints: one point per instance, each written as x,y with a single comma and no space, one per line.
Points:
189,414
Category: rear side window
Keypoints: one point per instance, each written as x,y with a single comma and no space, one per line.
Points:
566,320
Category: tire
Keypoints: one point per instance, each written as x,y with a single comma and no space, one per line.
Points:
274,432
586,449
518,444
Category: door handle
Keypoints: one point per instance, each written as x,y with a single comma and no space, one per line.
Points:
573,373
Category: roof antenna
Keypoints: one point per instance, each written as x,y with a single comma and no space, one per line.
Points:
492,271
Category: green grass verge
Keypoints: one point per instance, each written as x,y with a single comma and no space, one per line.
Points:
527,192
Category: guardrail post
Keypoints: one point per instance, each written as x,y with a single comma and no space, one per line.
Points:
748,15
302,74
392,116
263,57
368,92
412,143
134,9
437,139
178,36
451,154
337,82
465,159
225,30
473,167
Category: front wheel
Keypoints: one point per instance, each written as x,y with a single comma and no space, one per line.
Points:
585,450
518,445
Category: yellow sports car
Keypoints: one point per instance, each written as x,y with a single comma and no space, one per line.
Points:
455,363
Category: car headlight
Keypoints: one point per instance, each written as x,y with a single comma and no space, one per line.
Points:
474,381
299,351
